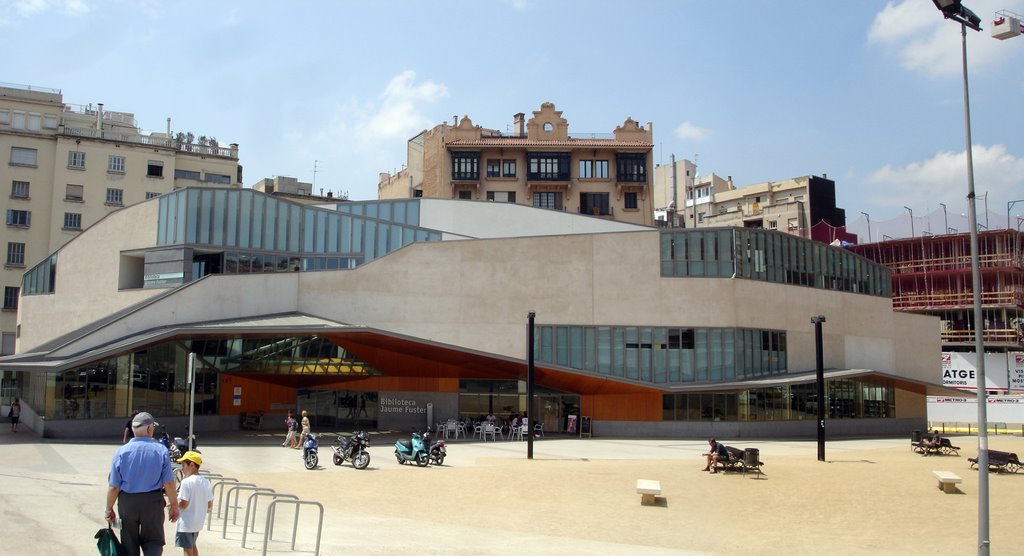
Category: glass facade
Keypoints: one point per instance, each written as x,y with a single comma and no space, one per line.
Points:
155,379
248,220
663,355
847,399
771,256
40,278
505,398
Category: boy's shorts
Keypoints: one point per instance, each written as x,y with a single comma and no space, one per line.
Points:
185,540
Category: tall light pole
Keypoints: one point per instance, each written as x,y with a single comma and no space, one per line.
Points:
945,219
869,224
1008,207
529,384
911,211
819,364
953,9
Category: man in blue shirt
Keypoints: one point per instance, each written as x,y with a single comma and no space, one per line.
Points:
140,475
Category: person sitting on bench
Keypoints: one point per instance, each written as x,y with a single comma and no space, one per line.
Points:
935,443
716,451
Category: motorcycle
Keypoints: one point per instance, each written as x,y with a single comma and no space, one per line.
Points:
412,450
309,448
352,448
437,450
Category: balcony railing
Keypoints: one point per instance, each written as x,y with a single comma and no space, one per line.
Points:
91,133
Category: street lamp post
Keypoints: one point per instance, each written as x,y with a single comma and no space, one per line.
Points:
953,9
1008,207
819,358
911,211
869,223
945,219
529,383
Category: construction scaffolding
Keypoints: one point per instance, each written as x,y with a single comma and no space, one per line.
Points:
932,275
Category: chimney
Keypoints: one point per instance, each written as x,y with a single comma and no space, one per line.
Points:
330,194
99,118
455,120
825,176
168,128
519,124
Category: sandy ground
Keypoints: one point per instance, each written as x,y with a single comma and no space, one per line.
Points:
576,496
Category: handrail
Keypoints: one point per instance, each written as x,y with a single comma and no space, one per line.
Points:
234,519
268,532
252,503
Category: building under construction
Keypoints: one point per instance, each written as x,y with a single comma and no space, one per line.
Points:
932,275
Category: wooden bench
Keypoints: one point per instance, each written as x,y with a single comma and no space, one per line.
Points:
734,461
1000,461
947,480
648,490
945,447
737,461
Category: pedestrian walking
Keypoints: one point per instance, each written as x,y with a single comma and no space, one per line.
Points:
15,414
195,499
140,476
289,422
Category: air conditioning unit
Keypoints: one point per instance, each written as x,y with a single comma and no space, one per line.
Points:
1006,26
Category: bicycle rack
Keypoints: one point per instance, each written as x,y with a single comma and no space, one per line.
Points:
235,489
252,504
213,489
268,532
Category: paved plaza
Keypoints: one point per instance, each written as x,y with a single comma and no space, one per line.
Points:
577,496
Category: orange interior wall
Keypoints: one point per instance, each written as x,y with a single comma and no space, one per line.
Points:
259,395
622,407
256,395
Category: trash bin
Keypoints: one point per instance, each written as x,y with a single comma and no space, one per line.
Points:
915,436
751,457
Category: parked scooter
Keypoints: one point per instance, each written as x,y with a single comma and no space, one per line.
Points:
437,450
352,448
412,450
309,448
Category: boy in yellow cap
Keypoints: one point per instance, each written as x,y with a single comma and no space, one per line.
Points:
195,498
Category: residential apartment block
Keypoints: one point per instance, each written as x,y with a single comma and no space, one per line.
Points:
538,164
299,191
69,166
803,206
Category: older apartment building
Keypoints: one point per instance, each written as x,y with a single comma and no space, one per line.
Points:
803,206
69,166
539,164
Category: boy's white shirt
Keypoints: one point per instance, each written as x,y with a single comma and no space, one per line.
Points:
197,490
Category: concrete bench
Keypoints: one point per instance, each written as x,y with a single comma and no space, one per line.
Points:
947,480
648,490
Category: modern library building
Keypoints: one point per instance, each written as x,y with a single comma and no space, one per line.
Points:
399,314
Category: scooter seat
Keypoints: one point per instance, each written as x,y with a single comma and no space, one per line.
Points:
407,444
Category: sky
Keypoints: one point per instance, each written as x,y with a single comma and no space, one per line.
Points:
868,92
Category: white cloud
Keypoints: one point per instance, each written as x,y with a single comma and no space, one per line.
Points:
925,42
943,179
688,131
364,137
399,115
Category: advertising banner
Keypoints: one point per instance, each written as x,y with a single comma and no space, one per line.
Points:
1016,363
959,370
